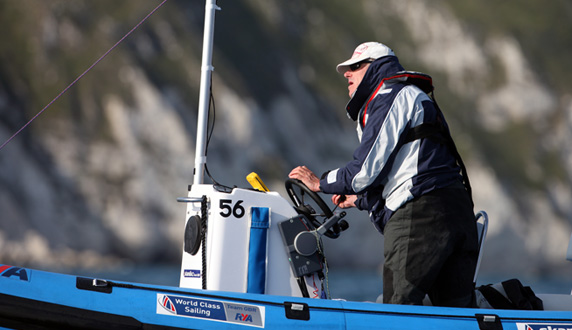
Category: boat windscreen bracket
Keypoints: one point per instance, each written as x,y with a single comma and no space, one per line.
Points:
297,311
489,322
93,284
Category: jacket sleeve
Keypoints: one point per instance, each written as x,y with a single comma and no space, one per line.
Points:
388,118
369,199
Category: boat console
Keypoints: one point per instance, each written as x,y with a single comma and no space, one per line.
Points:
255,241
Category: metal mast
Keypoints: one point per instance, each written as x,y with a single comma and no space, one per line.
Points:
204,97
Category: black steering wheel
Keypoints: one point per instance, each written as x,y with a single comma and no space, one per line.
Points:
302,207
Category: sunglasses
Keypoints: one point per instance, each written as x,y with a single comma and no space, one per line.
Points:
358,65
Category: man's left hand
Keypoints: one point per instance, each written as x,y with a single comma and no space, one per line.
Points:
308,177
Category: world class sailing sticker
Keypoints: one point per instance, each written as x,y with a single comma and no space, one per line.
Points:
221,311
544,326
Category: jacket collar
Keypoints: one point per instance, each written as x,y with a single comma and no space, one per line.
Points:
381,68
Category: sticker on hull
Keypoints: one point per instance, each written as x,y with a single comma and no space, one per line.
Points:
214,310
544,326
15,273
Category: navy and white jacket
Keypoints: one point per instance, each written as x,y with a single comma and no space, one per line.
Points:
385,171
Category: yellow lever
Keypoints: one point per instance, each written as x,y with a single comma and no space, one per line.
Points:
256,182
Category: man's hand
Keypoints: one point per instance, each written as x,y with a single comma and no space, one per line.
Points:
344,201
308,177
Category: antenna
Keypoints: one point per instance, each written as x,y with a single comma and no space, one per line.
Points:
204,97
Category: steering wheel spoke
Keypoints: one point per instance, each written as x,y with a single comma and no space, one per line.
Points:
310,211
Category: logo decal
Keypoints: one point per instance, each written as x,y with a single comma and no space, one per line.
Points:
359,50
211,310
544,326
167,304
14,272
193,273
243,317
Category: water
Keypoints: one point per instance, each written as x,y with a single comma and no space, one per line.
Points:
355,285
352,285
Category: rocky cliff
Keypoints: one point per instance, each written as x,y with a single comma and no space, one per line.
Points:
94,179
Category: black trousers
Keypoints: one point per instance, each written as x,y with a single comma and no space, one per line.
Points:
430,247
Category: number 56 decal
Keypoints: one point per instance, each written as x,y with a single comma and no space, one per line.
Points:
228,209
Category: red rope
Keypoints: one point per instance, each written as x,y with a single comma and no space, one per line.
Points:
83,74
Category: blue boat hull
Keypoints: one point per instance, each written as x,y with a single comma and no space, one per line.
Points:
32,299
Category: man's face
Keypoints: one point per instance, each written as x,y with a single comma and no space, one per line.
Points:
354,75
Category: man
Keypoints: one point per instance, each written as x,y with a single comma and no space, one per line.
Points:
410,182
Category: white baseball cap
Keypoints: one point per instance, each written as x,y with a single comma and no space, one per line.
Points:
365,51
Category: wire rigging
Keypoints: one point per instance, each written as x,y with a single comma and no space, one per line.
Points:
209,135
83,74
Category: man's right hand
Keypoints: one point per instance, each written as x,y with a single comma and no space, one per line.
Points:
344,201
